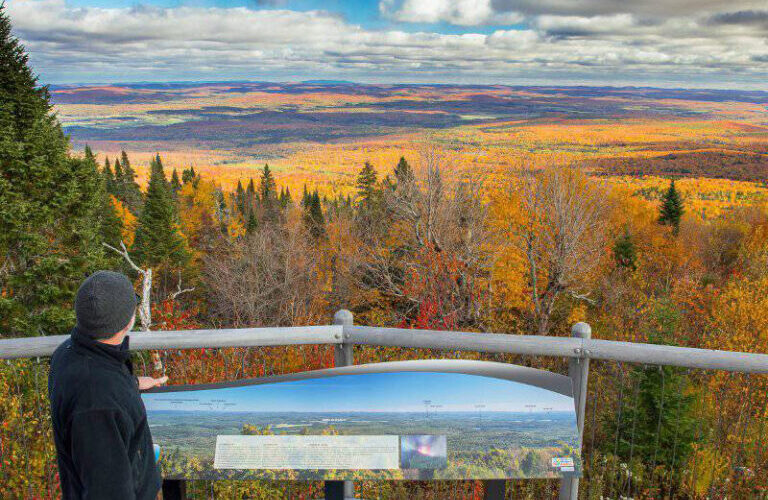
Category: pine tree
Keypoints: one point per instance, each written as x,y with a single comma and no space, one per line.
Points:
403,172
267,185
48,204
285,198
127,189
109,178
125,161
159,242
253,223
672,209
119,189
241,202
657,423
624,251
366,184
110,224
313,216
268,194
175,183
188,175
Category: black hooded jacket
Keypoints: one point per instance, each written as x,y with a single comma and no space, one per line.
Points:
103,444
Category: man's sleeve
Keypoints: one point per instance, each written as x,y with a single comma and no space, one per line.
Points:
100,454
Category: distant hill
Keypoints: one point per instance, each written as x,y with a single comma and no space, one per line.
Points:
329,82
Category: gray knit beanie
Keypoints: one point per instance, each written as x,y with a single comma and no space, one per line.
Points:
105,304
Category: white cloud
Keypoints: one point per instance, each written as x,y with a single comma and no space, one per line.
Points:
651,8
580,25
458,12
141,43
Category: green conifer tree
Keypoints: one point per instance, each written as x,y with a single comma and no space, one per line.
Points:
241,201
175,183
268,195
110,224
48,204
159,242
625,251
403,172
313,216
251,198
366,184
119,190
187,175
109,177
253,222
657,423
267,185
128,190
672,209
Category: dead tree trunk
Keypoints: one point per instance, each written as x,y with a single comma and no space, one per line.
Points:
145,305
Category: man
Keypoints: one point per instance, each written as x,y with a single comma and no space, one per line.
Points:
103,444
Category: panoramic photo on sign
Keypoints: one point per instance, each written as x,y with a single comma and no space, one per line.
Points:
444,419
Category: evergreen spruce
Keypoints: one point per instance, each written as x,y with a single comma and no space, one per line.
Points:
624,251
313,216
657,423
251,198
109,178
125,161
268,195
366,184
241,202
672,209
127,189
403,172
110,224
159,242
267,185
119,189
253,223
286,199
175,182
188,175
49,204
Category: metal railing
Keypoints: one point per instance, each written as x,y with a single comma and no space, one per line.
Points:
579,349
339,335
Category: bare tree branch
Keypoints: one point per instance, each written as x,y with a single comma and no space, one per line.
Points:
179,290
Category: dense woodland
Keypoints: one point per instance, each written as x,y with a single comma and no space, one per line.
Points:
417,246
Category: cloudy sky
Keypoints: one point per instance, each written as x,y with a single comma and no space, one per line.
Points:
681,43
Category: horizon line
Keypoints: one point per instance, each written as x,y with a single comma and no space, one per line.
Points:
332,81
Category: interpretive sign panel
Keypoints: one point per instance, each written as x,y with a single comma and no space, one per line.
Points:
307,452
439,419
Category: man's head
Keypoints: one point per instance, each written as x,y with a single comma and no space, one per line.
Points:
105,305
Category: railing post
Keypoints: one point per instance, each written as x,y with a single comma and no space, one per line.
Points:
578,369
174,489
495,489
343,356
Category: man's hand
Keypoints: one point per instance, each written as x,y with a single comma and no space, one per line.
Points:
149,382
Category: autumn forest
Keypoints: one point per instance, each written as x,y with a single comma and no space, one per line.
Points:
514,210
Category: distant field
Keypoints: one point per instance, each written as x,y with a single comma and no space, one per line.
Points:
321,134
